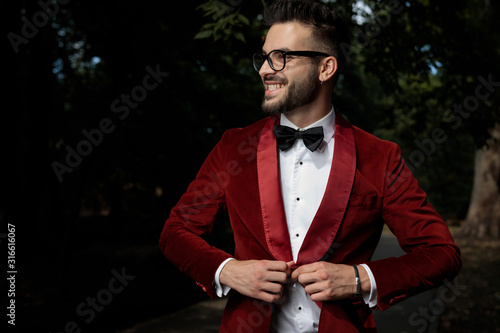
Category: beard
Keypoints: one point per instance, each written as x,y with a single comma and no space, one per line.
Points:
299,93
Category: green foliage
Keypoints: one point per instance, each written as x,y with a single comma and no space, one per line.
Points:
409,63
226,21
428,60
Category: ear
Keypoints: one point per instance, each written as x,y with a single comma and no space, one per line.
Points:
328,68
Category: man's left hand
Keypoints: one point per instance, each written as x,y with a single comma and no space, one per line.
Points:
326,281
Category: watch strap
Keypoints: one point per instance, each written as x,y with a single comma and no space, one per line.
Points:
358,281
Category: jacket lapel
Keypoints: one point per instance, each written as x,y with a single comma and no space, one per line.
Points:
271,200
319,239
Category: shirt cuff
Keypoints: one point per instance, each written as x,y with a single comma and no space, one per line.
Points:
221,289
370,298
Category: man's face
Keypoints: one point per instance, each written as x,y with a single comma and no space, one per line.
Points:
297,84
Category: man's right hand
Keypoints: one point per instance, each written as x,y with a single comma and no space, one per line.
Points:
260,279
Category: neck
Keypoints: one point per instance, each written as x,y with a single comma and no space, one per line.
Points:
310,113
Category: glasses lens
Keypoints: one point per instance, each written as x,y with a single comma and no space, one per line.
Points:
258,61
278,60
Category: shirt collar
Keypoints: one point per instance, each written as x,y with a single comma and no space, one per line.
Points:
327,122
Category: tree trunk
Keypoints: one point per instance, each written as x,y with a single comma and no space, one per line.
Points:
483,216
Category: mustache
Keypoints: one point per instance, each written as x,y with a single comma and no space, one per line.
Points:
275,78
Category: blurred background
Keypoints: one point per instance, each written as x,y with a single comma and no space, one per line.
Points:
110,108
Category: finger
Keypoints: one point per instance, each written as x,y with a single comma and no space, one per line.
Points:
273,288
289,267
314,288
279,266
319,297
274,276
309,268
305,269
308,278
268,297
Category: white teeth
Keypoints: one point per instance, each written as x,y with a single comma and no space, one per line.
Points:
274,86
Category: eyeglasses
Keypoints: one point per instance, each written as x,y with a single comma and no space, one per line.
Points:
277,58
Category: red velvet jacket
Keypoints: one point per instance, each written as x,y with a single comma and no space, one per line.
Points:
369,185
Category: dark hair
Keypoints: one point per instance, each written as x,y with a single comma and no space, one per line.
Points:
328,30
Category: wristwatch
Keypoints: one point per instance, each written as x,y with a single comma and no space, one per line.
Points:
358,282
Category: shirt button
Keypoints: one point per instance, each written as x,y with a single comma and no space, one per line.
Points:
300,308
297,235
298,199
301,163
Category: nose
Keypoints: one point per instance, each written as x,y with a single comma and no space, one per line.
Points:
265,69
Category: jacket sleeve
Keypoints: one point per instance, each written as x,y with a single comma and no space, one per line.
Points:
432,256
181,240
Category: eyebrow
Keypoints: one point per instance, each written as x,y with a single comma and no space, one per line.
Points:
285,49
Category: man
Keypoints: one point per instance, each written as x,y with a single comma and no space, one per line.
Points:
306,208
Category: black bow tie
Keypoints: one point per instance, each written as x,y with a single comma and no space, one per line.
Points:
286,136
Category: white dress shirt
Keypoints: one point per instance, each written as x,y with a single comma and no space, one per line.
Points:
303,176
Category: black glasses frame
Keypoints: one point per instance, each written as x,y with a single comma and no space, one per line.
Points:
258,57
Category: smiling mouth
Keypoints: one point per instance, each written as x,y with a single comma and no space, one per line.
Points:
272,87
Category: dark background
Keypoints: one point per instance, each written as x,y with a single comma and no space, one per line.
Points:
107,214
